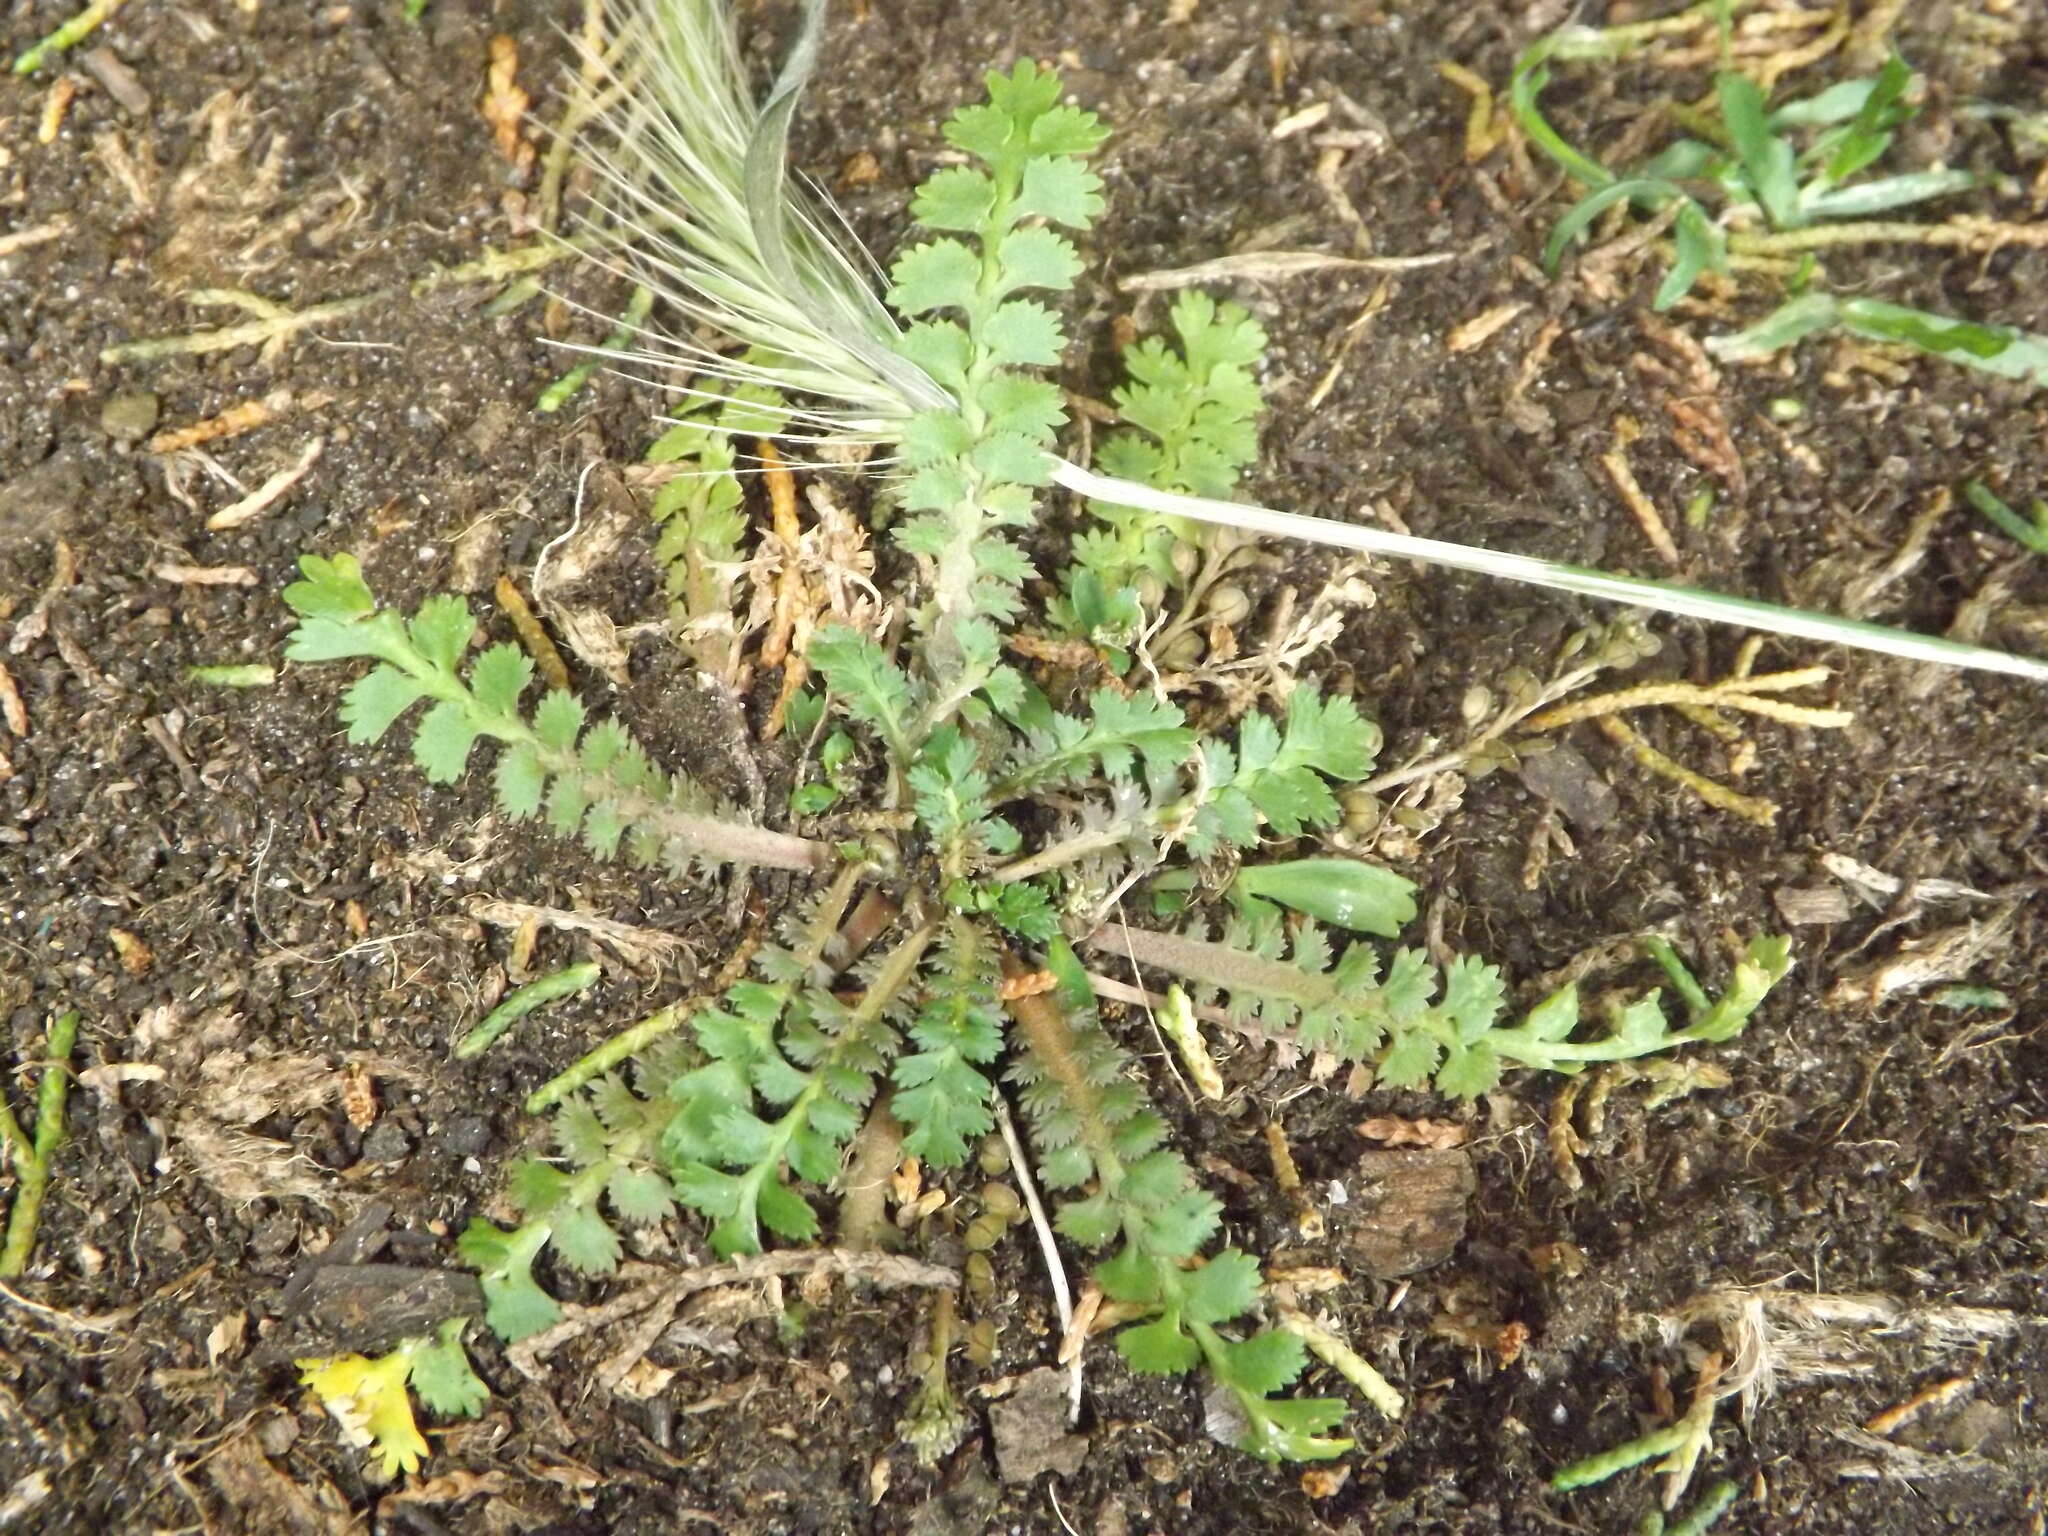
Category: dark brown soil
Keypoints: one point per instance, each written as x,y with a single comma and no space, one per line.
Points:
300,898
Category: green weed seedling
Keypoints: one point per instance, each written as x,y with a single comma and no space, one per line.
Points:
989,824
2030,530
1777,183
33,1153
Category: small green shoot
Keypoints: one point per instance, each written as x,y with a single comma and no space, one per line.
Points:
2031,530
1719,1498
253,675
638,307
66,37
33,1155
1988,348
522,1001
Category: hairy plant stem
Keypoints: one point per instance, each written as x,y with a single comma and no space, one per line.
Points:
713,837
622,1047
32,1159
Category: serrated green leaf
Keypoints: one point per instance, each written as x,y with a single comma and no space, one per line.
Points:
872,687
1473,996
640,1195
787,1213
441,630
442,1378
1469,1071
515,1306
1036,257
1092,1222
330,589
1059,189
957,198
1226,1287
1022,404
579,1134
1158,1348
559,720
940,274
1266,1362
585,1240
376,700
520,781
1022,333
934,436
1067,131
1411,1061
441,745
498,679
941,348
1290,1429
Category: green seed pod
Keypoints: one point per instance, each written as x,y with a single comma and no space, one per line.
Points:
983,1233
1363,811
1001,1200
1228,604
981,1342
995,1157
981,1277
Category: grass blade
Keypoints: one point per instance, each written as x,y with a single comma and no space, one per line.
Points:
1686,602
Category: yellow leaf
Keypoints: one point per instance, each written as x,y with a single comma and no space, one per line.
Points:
367,1398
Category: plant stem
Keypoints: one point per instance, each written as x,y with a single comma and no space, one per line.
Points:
69,35
562,983
564,389
625,1044
32,1163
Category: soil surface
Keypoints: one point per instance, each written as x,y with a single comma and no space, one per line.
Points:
258,921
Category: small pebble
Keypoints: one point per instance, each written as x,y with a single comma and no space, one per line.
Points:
386,1143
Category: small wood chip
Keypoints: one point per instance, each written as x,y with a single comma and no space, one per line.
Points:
1484,326
1436,1134
1802,906
13,710
1300,122
34,235
136,956
245,416
1411,1210
117,79
207,575
1647,517
267,495
1936,1396
1276,266
359,1095
504,105
55,105
1031,984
